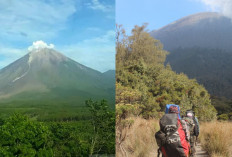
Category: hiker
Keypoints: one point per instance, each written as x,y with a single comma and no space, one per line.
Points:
171,138
195,120
193,124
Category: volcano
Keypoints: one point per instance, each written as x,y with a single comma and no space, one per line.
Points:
200,46
45,74
205,30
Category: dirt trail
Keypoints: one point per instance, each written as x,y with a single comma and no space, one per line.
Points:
200,152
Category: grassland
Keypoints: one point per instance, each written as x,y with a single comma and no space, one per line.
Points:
215,138
137,139
140,140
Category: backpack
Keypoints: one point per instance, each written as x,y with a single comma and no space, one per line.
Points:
197,127
195,120
171,137
191,124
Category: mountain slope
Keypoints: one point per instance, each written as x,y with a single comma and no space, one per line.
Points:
211,67
200,46
205,30
47,74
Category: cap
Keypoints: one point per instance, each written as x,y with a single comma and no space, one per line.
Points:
173,109
189,114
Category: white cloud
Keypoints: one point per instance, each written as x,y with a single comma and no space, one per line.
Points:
223,6
10,54
34,19
96,5
40,45
23,21
97,53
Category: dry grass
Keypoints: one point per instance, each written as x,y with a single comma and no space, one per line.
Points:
216,138
139,139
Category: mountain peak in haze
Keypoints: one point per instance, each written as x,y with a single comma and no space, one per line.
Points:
44,55
200,46
44,72
207,29
193,19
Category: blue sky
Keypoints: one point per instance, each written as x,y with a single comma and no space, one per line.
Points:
158,13
83,30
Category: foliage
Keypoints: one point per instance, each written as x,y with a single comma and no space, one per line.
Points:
67,141
211,67
144,85
230,115
223,117
103,122
222,104
21,135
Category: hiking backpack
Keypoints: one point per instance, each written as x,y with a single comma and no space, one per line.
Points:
190,127
191,124
195,120
171,137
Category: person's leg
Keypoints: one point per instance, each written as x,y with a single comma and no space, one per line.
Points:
193,145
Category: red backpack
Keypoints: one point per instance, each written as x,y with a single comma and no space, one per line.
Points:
171,138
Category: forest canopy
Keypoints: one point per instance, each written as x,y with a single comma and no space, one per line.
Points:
144,85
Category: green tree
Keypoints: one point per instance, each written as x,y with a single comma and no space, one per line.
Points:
103,125
140,68
20,136
67,141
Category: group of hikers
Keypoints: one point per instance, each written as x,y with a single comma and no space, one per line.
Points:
177,135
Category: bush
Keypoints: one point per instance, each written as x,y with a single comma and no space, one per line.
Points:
21,137
103,128
67,141
223,117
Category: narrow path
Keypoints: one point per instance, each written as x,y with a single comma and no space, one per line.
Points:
200,152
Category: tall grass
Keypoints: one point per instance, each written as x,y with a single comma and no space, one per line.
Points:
140,140
216,138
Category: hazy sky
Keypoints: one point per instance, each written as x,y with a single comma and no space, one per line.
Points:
83,30
158,13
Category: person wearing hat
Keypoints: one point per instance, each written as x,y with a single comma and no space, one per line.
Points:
175,110
171,138
191,124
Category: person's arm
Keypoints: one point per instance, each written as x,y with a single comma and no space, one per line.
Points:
186,129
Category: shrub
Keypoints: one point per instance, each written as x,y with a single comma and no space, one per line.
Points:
223,117
20,136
